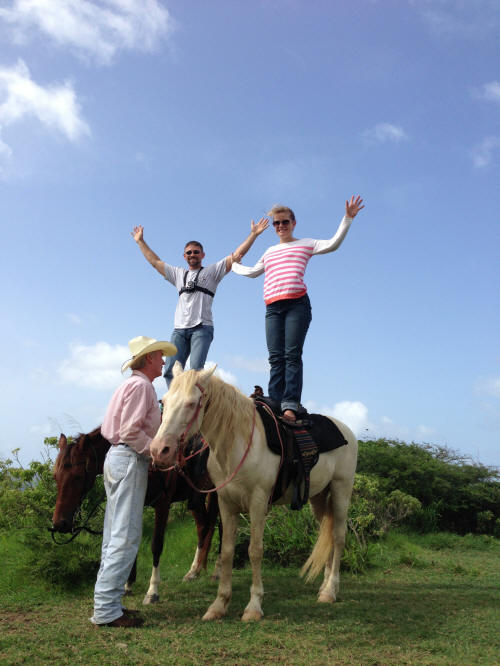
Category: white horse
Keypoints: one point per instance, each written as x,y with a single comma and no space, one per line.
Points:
242,464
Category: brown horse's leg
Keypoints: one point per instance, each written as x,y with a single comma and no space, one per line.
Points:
162,509
131,578
205,515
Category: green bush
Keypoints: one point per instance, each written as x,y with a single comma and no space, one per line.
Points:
456,494
289,536
27,501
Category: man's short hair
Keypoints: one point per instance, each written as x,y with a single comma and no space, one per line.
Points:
139,362
278,208
194,243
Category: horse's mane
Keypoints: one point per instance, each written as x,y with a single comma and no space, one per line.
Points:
227,409
66,451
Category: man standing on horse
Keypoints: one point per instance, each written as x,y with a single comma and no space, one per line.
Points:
131,421
193,326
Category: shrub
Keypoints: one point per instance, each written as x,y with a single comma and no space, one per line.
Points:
455,492
27,501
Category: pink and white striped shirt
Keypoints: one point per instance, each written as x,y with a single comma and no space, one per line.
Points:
284,264
133,414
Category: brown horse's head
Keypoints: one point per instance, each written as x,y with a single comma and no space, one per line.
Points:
75,470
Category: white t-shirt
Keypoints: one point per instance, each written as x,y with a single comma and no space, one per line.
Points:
195,307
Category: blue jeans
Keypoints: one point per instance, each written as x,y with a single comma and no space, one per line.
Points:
193,342
287,322
125,481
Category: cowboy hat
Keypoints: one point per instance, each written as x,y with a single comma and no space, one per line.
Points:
143,345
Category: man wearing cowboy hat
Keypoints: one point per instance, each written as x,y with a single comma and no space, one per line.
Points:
130,423
193,324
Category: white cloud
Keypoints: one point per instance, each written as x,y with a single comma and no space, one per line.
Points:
385,132
490,386
73,318
56,107
489,91
458,18
482,153
424,431
354,414
223,374
96,29
250,364
93,366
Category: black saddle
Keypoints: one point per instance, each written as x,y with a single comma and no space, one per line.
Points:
299,443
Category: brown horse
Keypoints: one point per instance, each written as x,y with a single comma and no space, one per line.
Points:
79,462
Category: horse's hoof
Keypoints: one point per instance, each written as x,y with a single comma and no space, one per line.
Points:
128,592
191,575
151,599
251,616
324,598
212,615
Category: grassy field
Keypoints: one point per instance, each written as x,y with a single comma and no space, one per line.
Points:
431,599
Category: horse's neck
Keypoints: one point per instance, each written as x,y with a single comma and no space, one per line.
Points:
221,424
101,446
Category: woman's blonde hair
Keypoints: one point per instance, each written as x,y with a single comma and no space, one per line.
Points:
279,208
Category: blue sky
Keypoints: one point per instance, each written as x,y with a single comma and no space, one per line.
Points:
192,118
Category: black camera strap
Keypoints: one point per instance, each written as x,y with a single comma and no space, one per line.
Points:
194,285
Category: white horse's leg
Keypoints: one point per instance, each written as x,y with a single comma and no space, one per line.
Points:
219,607
216,572
152,595
340,496
195,567
253,611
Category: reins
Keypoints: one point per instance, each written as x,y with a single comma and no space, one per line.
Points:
181,460
75,531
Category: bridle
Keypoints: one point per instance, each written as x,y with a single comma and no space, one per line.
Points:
87,485
181,460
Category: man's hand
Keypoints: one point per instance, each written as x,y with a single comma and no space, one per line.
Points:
138,233
353,206
257,229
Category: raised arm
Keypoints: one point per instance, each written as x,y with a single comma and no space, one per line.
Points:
152,257
352,208
241,250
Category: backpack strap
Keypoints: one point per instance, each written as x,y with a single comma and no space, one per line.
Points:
194,285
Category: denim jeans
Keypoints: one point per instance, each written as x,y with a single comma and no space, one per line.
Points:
125,481
193,342
287,322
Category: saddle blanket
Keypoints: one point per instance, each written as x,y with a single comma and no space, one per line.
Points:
322,430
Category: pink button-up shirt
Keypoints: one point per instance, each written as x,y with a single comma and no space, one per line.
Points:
133,414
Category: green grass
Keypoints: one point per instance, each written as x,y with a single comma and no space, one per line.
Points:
430,599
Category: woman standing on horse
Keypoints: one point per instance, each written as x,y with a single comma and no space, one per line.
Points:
288,310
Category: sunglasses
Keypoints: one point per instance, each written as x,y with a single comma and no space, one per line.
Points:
190,252
284,223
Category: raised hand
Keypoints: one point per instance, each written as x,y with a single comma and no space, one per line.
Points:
138,233
353,206
261,226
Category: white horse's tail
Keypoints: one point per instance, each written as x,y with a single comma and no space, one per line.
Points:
322,550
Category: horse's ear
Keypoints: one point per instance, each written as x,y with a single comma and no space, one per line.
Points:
62,441
177,369
206,374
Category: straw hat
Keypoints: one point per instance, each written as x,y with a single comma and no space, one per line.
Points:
142,345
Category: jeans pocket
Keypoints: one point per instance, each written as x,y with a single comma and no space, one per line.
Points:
116,466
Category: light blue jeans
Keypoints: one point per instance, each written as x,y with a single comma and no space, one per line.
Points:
193,342
125,480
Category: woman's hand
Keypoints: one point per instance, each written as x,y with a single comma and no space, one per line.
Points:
257,229
353,206
138,233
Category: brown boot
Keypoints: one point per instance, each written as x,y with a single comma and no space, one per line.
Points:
124,620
